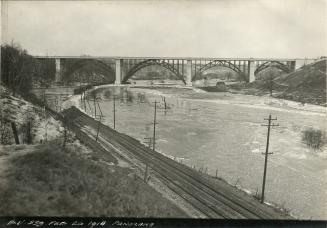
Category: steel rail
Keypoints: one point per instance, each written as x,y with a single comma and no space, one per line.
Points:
218,210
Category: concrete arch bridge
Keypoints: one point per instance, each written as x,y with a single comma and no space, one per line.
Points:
119,69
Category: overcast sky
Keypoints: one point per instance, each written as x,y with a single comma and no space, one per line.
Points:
234,28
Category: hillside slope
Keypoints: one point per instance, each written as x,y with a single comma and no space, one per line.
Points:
307,85
25,115
48,180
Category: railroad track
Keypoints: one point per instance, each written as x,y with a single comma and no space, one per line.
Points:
214,199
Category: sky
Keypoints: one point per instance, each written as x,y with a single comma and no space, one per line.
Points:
180,28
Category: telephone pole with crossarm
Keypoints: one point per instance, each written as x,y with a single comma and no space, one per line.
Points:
269,125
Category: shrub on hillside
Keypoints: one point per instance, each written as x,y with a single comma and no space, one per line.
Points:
313,138
108,94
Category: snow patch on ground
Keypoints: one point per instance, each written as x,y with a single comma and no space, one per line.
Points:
21,112
73,100
48,129
256,151
199,90
323,153
151,91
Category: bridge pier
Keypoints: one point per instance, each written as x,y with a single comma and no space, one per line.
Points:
291,65
251,69
58,70
189,73
119,65
298,64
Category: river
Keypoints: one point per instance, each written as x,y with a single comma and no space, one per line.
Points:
223,132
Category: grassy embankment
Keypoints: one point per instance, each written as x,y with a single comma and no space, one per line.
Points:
47,180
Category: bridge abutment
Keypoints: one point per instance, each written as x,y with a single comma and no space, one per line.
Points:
291,65
298,64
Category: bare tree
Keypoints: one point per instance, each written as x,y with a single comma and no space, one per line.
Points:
67,134
65,125
268,78
228,75
15,132
5,133
27,129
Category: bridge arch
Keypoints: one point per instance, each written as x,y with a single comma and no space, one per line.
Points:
79,64
222,63
275,64
150,62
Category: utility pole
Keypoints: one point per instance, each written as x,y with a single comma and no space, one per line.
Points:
165,104
65,123
154,125
84,103
43,97
114,109
95,107
89,106
114,103
146,176
100,119
46,122
266,155
149,142
96,138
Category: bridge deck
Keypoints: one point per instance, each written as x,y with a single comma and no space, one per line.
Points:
172,58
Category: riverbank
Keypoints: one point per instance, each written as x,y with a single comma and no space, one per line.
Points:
246,100
261,101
